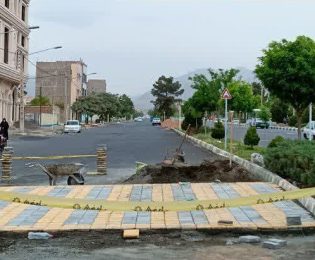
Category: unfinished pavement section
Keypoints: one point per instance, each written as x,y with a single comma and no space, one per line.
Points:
257,171
270,217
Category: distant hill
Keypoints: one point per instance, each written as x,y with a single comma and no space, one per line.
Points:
143,102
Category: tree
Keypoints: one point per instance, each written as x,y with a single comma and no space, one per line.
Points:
264,114
40,101
209,88
279,110
287,70
192,116
127,107
251,138
166,92
243,99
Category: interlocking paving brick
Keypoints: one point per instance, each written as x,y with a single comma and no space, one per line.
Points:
130,217
23,189
29,216
81,217
136,193
99,193
146,193
143,218
21,217
199,217
3,204
61,191
185,217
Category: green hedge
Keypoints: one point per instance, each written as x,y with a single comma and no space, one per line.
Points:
294,160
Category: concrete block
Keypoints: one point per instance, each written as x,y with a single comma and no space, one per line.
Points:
249,239
131,233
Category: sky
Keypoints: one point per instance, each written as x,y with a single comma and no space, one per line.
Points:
130,43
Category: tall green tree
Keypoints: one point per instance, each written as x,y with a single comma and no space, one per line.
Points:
287,70
243,98
209,88
166,92
127,107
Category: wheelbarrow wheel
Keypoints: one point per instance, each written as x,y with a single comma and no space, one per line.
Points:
73,181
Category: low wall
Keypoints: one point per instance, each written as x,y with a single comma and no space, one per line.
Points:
256,170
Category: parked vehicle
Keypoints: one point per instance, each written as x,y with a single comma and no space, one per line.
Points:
156,121
72,126
138,119
307,130
258,123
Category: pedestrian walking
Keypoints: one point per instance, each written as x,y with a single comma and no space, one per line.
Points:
4,128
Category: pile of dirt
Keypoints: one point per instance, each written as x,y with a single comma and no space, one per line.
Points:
218,170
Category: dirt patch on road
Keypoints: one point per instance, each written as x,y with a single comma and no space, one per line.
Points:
218,170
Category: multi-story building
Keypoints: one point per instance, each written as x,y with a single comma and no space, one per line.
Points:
14,40
96,86
62,82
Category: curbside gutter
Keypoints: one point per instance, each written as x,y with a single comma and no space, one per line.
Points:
256,170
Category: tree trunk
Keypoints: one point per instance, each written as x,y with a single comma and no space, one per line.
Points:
299,114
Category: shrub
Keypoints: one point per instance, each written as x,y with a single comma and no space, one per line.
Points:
218,131
189,120
275,142
294,160
251,138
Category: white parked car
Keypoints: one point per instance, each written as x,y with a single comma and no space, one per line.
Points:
307,130
72,126
138,119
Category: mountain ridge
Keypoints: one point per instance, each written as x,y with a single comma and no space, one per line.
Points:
142,102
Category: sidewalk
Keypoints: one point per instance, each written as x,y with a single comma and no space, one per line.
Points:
272,216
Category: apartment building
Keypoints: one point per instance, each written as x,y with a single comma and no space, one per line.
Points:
96,86
14,39
62,82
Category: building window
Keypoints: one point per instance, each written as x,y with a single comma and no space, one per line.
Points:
6,45
7,3
23,12
23,41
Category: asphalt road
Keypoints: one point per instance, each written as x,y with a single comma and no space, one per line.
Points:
127,143
266,135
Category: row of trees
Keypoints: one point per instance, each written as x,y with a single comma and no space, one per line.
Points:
286,70
105,105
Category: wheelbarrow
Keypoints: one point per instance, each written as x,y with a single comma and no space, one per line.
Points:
74,171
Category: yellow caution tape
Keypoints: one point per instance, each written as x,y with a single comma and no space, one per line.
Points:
57,157
86,204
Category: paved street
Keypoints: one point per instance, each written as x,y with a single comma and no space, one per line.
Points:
126,143
266,135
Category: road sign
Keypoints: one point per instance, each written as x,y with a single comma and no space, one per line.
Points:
226,94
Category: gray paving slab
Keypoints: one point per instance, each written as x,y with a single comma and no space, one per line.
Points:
185,217
29,216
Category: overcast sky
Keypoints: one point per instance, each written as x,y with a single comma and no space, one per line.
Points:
131,43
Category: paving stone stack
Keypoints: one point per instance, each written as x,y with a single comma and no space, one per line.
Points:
7,163
102,160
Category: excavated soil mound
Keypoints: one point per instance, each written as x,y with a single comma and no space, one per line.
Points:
206,172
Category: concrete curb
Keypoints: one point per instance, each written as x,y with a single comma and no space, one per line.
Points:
256,170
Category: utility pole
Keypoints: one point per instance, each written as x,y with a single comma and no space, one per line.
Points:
66,98
21,67
40,104
310,122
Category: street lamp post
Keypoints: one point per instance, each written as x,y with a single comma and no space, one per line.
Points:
310,122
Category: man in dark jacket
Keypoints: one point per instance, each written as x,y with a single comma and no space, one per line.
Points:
4,128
